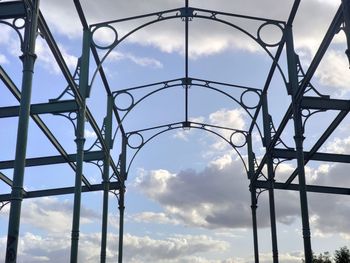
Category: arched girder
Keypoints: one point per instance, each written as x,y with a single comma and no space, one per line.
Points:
181,13
205,84
185,125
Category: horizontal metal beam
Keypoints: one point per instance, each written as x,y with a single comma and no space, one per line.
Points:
61,191
12,9
325,157
57,159
17,94
41,108
5,179
309,188
318,103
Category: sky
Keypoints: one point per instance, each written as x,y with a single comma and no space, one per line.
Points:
187,194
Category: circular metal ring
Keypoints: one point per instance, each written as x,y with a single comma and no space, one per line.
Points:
244,103
233,141
129,104
17,25
267,24
135,140
107,46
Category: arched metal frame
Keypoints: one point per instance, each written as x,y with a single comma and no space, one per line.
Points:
186,125
306,101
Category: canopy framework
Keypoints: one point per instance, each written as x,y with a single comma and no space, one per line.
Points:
114,169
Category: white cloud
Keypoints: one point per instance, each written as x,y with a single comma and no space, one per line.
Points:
168,36
216,197
90,134
152,217
334,70
3,59
141,61
47,59
51,214
338,145
174,249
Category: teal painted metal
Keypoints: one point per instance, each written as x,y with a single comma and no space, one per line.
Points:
60,191
299,101
299,138
28,59
48,160
254,201
105,179
12,9
80,141
270,177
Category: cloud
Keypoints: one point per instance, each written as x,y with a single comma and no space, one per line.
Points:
3,59
151,217
216,197
174,249
141,61
168,36
51,214
47,60
334,69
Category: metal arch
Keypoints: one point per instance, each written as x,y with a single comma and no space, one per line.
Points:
257,39
184,125
206,85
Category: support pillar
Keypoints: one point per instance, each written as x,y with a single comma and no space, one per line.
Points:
299,138
254,200
28,59
105,179
254,221
271,178
80,141
121,207
121,201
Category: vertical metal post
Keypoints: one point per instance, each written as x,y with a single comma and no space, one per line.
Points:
28,59
186,61
299,138
270,176
253,197
121,202
105,179
80,141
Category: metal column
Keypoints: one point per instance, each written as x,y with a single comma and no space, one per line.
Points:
105,179
254,200
121,202
28,59
80,141
270,176
299,138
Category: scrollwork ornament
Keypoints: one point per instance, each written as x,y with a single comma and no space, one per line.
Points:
258,192
3,204
98,164
306,114
68,90
71,116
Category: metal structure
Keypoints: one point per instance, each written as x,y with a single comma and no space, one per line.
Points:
303,96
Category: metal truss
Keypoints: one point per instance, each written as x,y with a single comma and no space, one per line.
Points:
304,97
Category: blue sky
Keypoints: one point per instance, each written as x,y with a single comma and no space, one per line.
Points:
187,193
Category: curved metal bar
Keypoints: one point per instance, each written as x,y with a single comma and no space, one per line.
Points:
207,85
171,127
17,30
256,39
308,115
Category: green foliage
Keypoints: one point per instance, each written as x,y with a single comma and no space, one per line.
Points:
322,258
342,255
